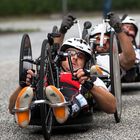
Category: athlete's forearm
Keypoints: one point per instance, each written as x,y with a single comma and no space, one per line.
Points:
105,100
127,57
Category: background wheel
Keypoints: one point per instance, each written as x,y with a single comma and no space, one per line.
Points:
25,53
115,75
45,111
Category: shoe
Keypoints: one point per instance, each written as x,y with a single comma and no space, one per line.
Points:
23,100
55,96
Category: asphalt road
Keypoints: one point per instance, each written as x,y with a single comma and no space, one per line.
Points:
103,126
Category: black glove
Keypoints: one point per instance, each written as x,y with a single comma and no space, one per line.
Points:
115,22
22,78
66,23
88,85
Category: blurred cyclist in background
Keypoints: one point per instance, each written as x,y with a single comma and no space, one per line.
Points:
127,54
130,27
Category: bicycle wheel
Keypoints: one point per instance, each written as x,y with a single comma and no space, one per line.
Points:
115,75
25,53
45,110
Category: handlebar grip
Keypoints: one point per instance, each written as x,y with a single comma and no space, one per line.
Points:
75,78
55,29
87,72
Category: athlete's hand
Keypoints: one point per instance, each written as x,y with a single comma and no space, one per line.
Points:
29,76
81,75
85,79
66,23
115,22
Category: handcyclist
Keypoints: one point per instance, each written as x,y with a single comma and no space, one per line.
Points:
70,89
127,54
129,26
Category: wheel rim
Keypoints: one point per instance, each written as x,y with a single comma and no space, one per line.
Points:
25,53
115,76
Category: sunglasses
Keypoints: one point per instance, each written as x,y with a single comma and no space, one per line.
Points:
98,38
76,53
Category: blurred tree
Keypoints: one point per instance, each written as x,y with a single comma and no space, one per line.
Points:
33,7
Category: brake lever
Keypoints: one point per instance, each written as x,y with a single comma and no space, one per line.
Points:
28,60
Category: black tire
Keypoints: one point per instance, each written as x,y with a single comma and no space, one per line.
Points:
115,75
45,110
25,53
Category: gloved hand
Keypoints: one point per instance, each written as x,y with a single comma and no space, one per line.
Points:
115,22
22,78
26,77
66,23
88,85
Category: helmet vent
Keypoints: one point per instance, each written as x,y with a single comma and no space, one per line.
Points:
69,41
132,19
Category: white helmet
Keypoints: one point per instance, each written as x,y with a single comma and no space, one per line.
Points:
99,28
79,44
130,20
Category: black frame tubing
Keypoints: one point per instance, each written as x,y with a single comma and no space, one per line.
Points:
45,110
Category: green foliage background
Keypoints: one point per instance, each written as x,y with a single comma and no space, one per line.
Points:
33,7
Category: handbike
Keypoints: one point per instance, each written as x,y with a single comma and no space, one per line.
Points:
47,67
111,76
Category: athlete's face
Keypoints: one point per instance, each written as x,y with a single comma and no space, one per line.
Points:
130,30
78,59
105,47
